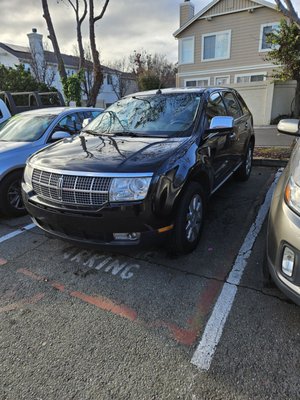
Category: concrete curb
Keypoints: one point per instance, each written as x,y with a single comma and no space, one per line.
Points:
265,162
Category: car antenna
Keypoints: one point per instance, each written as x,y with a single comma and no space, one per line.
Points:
158,91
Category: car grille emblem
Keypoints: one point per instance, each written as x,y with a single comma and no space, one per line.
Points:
60,187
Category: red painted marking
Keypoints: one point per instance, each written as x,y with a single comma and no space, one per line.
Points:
181,335
30,274
58,286
106,304
100,302
185,336
205,302
2,261
21,303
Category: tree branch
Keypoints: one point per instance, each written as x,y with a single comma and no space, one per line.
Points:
288,10
102,12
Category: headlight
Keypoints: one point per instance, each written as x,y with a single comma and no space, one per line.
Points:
292,195
129,189
28,175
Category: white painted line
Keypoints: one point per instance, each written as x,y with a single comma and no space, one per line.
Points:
16,233
206,348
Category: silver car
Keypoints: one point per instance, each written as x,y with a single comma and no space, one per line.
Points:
282,261
24,134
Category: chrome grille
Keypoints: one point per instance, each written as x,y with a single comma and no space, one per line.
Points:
70,189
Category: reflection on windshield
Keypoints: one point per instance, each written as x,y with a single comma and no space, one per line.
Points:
149,115
25,128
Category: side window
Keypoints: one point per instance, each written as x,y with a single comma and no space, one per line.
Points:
232,105
215,106
242,104
71,123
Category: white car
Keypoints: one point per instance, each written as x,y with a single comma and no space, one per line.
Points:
24,134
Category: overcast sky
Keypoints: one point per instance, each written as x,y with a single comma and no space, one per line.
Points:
128,25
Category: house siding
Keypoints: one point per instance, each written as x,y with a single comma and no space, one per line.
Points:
245,35
229,6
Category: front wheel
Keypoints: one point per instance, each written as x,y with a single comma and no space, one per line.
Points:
244,171
11,203
188,221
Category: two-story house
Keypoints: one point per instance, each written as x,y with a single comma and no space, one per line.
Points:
224,44
40,62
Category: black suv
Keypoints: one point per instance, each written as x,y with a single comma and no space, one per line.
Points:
143,169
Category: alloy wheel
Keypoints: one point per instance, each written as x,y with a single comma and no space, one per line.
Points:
194,218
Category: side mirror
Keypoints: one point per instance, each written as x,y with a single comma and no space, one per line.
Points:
220,126
289,127
86,121
58,135
221,123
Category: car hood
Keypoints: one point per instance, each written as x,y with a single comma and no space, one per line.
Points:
107,154
6,147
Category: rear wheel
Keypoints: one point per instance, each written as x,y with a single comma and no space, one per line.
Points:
11,202
188,221
244,171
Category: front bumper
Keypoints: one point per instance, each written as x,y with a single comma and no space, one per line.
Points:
96,229
283,231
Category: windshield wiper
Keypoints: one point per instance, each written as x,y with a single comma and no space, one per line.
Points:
126,133
90,131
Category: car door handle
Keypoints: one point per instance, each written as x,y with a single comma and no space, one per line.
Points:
232,136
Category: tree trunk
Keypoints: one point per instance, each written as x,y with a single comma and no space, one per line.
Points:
52,37
97,70
296,112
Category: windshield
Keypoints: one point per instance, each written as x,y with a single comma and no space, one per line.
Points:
24,128
149,115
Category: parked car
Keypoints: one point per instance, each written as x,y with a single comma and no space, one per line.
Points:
142,170
25,133
282,261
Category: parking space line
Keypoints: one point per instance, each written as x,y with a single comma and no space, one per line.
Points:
16,233
206,348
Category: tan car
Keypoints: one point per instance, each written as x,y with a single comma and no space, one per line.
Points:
282,261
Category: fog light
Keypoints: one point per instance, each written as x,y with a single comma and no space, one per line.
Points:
288,260
127,236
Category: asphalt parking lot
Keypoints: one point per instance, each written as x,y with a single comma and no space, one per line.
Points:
81,324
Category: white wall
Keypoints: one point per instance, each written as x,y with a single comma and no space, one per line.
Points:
258,97
283,99
7,59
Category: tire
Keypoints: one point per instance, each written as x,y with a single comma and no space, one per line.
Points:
244,171
11,202
188,221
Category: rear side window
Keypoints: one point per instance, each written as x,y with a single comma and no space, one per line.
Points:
232,105
215,106
242,104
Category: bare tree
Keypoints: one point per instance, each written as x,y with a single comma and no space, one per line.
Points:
97,70
52,37
79,20
287,9
122,81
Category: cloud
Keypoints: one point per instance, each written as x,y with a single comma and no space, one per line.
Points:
126,26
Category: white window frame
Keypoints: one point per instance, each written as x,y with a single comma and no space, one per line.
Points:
273,24
222,76
216,34
264,73
181,48
205,78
